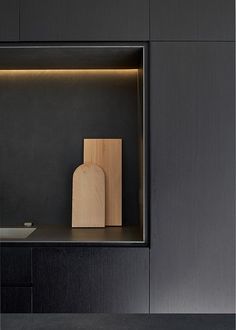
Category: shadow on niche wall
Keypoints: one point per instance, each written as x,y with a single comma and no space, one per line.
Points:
44,120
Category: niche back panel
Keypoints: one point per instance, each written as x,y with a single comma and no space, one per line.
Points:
44,118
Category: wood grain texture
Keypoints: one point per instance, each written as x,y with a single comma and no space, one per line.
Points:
88,196
192,178
9,20
16,300
15,266
91,280
107,153
196,20
79,20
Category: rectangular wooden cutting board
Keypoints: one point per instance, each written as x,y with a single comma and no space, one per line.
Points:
107,153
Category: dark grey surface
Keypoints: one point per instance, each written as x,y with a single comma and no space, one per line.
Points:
43,120
16,300
15,266
9,20
84,20
90,280
192,262
192,20
66,234
71,56
115,322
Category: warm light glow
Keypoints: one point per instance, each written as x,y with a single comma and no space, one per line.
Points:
69,71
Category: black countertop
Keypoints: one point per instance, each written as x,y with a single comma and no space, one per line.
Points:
54,234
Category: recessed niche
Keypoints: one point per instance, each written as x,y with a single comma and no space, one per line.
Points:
51,98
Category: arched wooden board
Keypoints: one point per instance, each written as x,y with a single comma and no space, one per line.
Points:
88,196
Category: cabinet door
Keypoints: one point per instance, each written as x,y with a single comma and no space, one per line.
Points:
192,20
192,178
87,20
9,20
107,280
16,300
15,266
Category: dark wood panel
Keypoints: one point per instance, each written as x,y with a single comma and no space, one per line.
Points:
9,20
119,321
84,20
15,265
15,300
192,20
192,178
90,280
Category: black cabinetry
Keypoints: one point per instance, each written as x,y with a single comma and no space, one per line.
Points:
66,280
15,266
192,177
16,299
107,280
84,20
191,157
112,20
16,280
9,20
192,20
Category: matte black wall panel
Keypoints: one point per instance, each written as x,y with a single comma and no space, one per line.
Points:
192,178
108,280
43,121
192,20
88,20
16,300
15,265
9,20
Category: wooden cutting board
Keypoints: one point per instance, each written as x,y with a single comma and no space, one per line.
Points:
88,196
107,153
